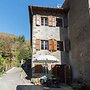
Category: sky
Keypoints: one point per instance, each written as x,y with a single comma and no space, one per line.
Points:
14,16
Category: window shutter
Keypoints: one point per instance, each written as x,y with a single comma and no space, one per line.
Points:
38,44
61,43
38,20
54,21
67,45
68,73
65,22
50,18
38,68
53,69
50,44
55,44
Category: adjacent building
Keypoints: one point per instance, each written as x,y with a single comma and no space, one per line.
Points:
78,12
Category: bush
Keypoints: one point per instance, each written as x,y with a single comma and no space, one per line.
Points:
18,64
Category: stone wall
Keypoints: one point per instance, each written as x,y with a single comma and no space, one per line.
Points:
46,33
79,34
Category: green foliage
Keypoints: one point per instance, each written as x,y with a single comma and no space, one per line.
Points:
24,54
12,50
21,38
1,73
1,44
1,61
0,55
14,40
17,64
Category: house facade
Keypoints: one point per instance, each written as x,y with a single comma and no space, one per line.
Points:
78,12
49,37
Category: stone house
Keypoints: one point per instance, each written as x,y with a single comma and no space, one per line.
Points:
78,12
49,37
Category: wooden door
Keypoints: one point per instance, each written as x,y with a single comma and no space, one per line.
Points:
38,68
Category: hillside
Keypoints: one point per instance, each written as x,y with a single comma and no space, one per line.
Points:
6,35
11,50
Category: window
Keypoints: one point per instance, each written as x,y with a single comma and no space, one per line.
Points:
44,44
59,22
44,21
60,45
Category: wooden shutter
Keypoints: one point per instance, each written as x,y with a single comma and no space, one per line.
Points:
55,44
61,45
60,72
65,21
38,44
54,21
68,73
50,18
38,20
38,68
53,69
67,45
50,44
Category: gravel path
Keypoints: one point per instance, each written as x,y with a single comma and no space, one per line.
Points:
12,78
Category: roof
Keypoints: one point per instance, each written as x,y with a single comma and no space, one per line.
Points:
38,9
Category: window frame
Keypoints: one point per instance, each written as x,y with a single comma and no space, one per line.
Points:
45,47
44,21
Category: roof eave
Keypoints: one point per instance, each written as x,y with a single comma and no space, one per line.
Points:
42,9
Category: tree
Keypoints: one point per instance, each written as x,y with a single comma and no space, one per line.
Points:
1,44
12,50
21,38
24,54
